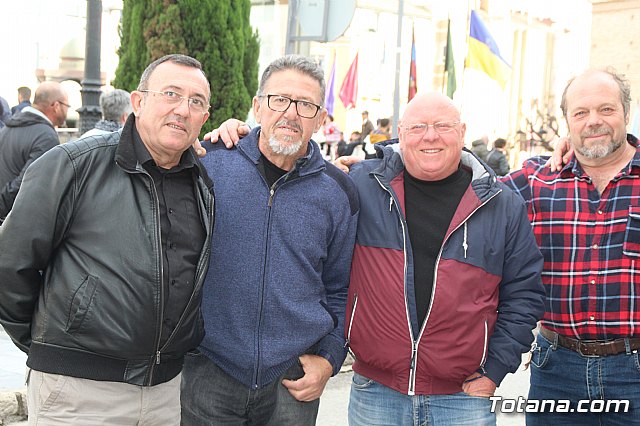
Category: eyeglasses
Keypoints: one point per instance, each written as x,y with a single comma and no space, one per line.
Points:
420,129
172,98
62,103
305,109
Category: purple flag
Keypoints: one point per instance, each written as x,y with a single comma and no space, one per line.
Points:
330,97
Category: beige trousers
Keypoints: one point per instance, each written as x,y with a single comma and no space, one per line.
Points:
54,399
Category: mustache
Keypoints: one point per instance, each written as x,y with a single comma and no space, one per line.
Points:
285,122
597,131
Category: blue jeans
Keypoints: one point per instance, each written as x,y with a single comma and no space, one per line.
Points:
561,374
372,404
209,396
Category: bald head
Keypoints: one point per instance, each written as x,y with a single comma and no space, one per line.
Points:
431,136
52,100
427,103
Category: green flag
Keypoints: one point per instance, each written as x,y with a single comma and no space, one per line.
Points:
449,66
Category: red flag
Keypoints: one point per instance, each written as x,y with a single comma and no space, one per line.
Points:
413,86
349,88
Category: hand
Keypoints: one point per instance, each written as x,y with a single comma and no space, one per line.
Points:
479,385
230,132
317,371
561,155
197,146
343,163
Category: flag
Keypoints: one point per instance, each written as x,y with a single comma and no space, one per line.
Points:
413,86
349,88
330,97
484,54
449,65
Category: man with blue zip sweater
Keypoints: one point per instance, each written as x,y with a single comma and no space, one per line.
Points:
275,294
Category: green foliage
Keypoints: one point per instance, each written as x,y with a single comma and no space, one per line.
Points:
216,32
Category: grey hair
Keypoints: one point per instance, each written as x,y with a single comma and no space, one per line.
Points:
298,63
175,58
620,79
115,103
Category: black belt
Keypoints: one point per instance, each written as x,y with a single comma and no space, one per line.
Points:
591,347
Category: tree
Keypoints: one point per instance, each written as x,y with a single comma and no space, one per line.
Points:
216,32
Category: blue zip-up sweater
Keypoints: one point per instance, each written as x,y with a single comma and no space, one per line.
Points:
280,263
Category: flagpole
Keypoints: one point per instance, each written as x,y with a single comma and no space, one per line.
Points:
396,95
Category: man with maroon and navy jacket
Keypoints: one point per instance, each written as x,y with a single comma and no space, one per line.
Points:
445,281
586,218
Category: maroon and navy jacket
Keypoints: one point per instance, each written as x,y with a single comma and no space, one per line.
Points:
487,291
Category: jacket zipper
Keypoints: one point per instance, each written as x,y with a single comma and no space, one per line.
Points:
156,359
414,342
353,314
272,191
486,342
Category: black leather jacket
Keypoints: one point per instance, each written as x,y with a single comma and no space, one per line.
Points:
81,266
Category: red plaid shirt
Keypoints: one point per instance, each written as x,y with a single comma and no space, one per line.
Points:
591,246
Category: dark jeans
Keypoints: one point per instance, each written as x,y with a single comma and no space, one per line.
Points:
561,374
209,396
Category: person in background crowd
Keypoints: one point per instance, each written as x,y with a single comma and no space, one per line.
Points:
496,158
28,135
116,107
24,99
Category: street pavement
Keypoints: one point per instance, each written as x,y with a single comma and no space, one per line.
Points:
333,404
12,364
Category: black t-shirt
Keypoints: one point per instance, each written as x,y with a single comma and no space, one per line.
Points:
430,206
270,171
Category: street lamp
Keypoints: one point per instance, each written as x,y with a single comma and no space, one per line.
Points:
90,112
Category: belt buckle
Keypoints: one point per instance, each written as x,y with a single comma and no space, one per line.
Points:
580,343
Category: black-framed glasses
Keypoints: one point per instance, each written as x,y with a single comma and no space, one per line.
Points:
279,103
62,103
420,129
173,98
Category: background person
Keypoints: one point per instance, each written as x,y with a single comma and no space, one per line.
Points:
28,135
115,107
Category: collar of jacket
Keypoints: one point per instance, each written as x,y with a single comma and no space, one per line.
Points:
483,178
310,163
126,156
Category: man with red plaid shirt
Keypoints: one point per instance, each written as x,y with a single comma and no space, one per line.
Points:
586,219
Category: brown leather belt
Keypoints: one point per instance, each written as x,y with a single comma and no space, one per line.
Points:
591,347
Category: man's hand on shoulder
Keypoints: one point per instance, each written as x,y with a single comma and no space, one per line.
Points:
344,163
561,155
317,372
229,132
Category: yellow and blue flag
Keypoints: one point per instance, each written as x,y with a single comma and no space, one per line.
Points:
484,54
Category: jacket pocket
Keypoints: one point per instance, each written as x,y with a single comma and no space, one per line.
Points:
81,303
485,343
351,317
631,245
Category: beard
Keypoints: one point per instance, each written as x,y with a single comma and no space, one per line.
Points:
286,145
598,150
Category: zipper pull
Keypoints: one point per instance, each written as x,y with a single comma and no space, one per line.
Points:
158,358
390,202
271,192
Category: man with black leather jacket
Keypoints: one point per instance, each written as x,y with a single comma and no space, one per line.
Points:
103,256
